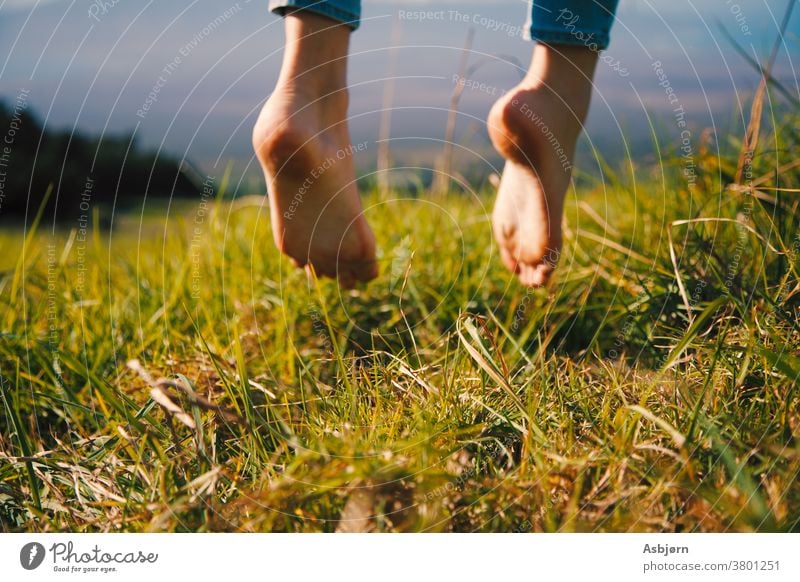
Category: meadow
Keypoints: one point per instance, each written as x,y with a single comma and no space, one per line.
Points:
176,374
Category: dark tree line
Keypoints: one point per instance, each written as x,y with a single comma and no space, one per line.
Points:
81,169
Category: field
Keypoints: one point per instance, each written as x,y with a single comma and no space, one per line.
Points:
178,375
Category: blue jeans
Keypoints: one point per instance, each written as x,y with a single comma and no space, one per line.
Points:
574,22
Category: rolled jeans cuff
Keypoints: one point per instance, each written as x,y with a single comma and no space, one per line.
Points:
345,11
578,23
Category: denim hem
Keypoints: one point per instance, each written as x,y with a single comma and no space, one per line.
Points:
594,40
323,7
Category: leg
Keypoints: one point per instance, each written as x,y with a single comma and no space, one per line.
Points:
302,141
535,127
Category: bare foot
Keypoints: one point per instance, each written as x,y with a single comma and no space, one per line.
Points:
303,143
535,127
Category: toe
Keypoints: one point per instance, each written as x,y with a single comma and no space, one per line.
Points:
535,275
321,269
366,271
369,273
541,274
346,280
351,273
508,260
526,275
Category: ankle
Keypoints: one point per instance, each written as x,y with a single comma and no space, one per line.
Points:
317,96
559,107
563,72
315,55
561,61
313,84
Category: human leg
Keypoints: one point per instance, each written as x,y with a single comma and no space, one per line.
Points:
302,141
535,127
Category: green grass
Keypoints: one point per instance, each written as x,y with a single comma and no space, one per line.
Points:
652,387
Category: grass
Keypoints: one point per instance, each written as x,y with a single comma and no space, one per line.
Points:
180,376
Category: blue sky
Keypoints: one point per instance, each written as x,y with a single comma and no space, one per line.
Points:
93,68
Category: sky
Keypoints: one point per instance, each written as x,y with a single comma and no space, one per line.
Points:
193,89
